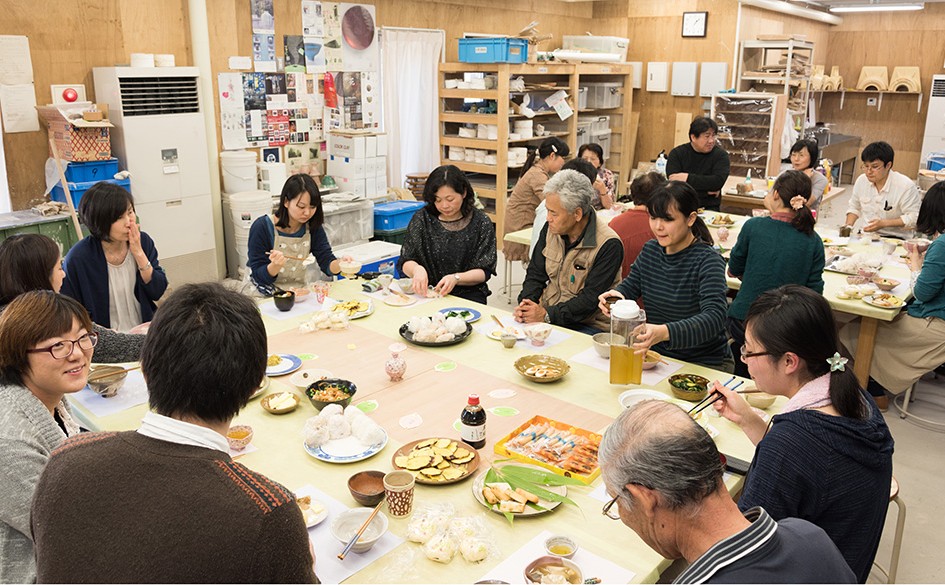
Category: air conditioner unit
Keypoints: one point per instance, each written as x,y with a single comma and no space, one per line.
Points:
934,140
159,136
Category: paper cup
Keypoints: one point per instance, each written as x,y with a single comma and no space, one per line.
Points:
398,489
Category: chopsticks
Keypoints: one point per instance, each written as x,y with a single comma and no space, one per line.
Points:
715,395
497,322
361,530
102,375
398,293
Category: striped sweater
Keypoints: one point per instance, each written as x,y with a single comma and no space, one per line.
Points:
686,292
164,513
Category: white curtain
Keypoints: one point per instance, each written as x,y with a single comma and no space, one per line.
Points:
411,114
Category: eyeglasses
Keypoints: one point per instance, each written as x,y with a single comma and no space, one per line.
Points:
64,349
746,354
874,167
610,511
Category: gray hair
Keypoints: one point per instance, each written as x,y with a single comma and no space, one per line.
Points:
573,188
657,445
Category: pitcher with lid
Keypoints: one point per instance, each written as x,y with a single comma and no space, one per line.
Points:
626,321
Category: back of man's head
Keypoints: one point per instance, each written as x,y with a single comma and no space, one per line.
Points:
573,188
205,353
657,445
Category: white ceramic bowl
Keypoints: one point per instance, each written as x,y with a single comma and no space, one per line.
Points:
346,524
538,333
305,378
631,397
602,343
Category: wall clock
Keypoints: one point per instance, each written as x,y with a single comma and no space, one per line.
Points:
694,24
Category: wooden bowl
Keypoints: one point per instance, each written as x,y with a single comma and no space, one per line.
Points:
651,359
265,403
367,487
689,387
885,284
542,368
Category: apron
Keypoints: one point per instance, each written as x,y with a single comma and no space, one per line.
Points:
293,273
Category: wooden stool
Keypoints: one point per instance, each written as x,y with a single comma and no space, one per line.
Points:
416,182
890,575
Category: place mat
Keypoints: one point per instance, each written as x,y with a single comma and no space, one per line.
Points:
651,377
512,569
327,565
132,393
310,305
556,337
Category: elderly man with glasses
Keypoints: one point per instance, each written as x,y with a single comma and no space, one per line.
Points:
887,200
665,476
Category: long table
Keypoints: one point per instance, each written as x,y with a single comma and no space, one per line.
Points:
870,316
436,385
731,198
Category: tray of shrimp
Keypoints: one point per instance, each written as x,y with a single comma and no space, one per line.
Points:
559,447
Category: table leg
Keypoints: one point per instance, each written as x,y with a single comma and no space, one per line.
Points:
864,349
507,288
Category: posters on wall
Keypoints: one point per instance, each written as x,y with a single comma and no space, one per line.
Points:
359,43
312,21
264,52
294,54
263,16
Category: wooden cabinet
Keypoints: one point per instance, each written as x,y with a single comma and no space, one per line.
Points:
750,127
491,174
779,67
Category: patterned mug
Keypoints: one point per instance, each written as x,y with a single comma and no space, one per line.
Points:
398,489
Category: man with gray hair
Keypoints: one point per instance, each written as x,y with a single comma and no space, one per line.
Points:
665,475
577,257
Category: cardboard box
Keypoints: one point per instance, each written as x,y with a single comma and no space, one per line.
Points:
356,186
75,138
381,149
350,168
371,147
380,165
347,145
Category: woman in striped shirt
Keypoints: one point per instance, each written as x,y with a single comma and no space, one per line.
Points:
681,280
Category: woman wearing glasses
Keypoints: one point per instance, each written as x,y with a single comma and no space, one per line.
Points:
32,262
46,343
827,457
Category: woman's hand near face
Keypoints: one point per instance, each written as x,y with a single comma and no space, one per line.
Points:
134,242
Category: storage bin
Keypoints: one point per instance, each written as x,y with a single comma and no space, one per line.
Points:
601,123
379,256
78,189
604,94
584,131
391,236
91,171
603,139
395,215
936,162
582,98
347,223
493,50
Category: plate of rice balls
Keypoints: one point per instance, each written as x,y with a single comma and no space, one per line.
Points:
343,435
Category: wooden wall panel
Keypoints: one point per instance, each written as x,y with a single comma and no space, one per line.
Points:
890,39
68,39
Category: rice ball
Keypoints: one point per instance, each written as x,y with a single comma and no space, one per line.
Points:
352,412
330,410
317,437
338,427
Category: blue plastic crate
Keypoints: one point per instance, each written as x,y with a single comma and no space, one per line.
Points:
91,171
493,50
395,215
936,162
78,189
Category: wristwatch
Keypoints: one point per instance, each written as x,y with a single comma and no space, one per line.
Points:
547,318
456,276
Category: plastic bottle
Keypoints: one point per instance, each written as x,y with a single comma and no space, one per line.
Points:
626,320
473,421
661,163
748,179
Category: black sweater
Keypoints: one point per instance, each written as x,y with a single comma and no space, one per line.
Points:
707,172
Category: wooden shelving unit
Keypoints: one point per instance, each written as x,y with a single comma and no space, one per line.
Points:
493,183
778,67
750,126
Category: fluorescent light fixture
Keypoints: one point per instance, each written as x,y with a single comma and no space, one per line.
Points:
878,7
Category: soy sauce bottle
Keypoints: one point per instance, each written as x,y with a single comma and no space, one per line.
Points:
473,419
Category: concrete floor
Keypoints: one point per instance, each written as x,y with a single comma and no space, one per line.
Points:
918,462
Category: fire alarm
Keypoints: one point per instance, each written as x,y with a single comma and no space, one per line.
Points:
67,94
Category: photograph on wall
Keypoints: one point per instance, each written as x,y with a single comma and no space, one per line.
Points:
271,155
263,19
370,104
232,108
275,84
294,53
254,91
277,120
314,48
312,23
359,43
332,48
302,158
255,122
264,52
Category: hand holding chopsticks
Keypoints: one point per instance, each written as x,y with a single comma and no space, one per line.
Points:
716,395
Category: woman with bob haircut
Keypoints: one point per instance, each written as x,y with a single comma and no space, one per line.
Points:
46,343
450,242
114,271
827,457
681,280
279,243
912,344
804,157
774,251
529,191
605,188
32,262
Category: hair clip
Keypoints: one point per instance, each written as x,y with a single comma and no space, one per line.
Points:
837,362
554,149
798,202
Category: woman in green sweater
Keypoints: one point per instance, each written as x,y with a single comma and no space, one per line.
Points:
774,251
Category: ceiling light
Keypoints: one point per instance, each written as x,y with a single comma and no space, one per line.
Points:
877,7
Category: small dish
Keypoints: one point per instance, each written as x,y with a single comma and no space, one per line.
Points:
921,244
305,378
301,294
280,402
760,400
330,391
239,437
313,511
561,546
284,300
631,397
542,368
537,333
466,313
367,487
108,386
689,387
287,364
883,301
602,342
558,567
346,525
651,359
886,284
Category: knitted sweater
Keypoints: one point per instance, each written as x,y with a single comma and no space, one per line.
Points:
686,292
929,288
771,253
28,434
126,508
707,171
832,471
